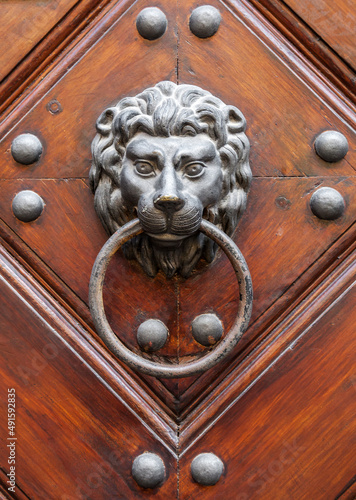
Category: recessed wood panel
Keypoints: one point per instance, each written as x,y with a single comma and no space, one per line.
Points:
279,411
75,436
69,228
23,24
292,433
333,21
121,63
283,113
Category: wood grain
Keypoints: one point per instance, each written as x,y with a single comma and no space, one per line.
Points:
47,49
23,24
65,225
89,87
333,21
261,355
310,44
292,434
283,114
273,153
63,441
121,382
280,410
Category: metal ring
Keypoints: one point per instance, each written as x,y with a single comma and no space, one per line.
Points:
170,370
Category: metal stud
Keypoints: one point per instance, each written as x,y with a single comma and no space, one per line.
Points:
151,23
152,335
207,469
331,146
204,21
327,203
207,329
27,206
148,470
26,149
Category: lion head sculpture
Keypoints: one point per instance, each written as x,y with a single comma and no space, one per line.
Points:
171,155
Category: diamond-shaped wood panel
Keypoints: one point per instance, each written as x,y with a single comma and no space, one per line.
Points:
278,411
286,106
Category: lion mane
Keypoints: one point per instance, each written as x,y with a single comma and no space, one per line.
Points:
168,109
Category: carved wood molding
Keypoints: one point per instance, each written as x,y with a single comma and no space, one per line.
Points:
309,43
49,48
329,290
108,372
54,68
316,300
293,57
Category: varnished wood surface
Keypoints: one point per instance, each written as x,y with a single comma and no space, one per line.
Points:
333,21
287,383
22,26
310,43
65,225
260,356
274,153
292,435
73,432
47,49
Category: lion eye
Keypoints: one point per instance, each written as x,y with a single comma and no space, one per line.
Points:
144,168
194,170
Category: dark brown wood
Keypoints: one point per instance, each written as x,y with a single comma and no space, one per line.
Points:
279,410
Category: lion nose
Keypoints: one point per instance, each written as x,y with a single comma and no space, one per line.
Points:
168,197
168,203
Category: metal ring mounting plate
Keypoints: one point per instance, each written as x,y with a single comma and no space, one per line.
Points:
170,370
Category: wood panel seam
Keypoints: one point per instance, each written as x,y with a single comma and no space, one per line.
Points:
76,339
335,68
282,339
294,60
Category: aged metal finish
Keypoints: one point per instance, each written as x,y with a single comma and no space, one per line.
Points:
207,469
327,203
205,21
331,146
26,149
54,107
152,335
27,206
171,156
151,23
148,470
207,329
168,370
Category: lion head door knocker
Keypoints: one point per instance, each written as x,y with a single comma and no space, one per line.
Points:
177,158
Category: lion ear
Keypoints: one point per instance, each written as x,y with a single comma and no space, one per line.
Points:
104,122
236,122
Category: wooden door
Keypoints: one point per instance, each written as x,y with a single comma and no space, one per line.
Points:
279,411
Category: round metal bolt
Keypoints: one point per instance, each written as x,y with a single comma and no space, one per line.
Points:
204,21
331,146
26,149
327,203
151,23
152,335
207,469
54,107
148,470
27,206
207,329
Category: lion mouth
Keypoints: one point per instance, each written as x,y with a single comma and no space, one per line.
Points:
168,226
